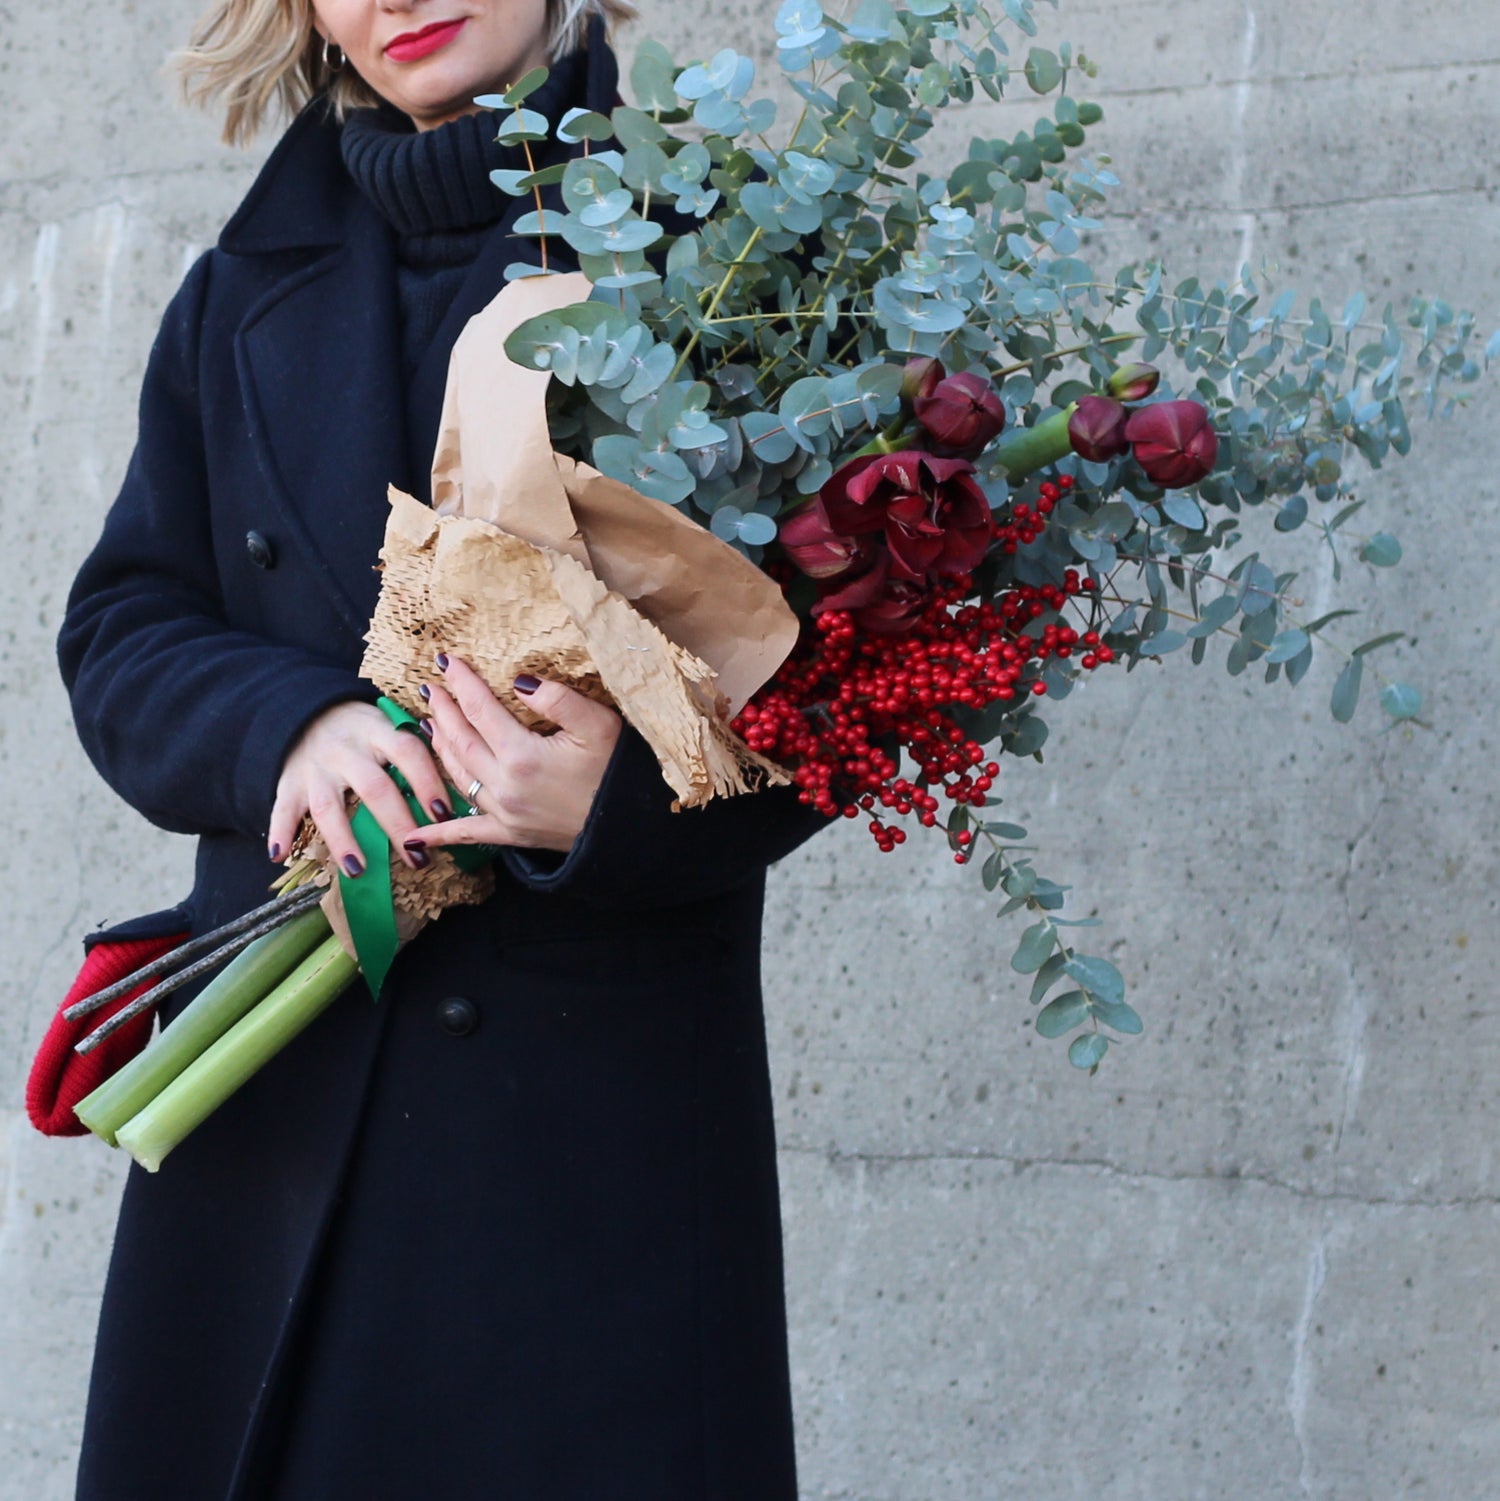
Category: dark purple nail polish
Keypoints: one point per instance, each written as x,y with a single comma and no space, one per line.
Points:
426,726
353,866
442,661
419,857
414,845
424,692
440,810
274,852
527,684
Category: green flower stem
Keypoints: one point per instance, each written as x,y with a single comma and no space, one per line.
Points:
251,1043
221,1003
899,435
1025,450
184,953
718,297
198,970
1057,356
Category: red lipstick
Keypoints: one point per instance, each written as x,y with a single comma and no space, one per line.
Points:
411,45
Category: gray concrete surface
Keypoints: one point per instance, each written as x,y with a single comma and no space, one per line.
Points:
1255,1257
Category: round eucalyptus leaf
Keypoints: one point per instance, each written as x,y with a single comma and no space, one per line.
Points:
1087,1051
1382,550
1036,944
1401,700
584,125
756,529
1061,1015
608,209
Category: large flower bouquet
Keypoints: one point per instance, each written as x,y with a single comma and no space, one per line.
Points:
979,467
907,392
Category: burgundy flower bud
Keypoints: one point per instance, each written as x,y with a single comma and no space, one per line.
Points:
1174,442
812,545
878,602
896,613
1097,429
856,591
1133,382
961,413
935,518
919,375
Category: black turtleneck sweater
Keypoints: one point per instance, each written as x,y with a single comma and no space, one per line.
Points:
433,187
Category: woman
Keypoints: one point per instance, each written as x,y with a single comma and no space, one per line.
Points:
512,1232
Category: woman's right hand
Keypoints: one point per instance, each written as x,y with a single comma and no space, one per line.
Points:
347,748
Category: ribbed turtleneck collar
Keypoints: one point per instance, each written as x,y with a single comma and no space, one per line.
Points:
432,181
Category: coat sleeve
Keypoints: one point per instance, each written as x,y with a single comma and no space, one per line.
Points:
635,852
187,718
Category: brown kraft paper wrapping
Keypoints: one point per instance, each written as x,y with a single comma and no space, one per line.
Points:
531,562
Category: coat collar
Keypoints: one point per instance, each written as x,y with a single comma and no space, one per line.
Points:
303,198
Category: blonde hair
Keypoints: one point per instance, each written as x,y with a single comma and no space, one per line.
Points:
261,58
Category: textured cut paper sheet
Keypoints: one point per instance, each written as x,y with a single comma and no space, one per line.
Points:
530,562
506,607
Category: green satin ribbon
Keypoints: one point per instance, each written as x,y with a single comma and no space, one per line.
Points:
368,903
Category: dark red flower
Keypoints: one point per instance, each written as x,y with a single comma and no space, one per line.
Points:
858,590
1097,429
877,601
898,611
935,518
961,413
1133,382
1174,442
918,376
812,544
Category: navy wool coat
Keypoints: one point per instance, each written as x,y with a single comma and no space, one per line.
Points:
513,1231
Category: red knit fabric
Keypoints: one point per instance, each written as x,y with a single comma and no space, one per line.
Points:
59,1077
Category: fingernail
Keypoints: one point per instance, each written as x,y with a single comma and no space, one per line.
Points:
442,661
424,692
414,845
440,810
353,866
527,684
419,857
274,852
426,727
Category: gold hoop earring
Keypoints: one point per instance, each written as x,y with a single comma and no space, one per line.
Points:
333,56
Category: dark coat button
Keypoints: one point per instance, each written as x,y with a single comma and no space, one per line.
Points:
457,1016
262,554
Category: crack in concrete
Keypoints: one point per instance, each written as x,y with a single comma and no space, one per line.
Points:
1228,1180
50,181
1359,1007
846,1496
1310,205
1239,149
1299,1382
1283,80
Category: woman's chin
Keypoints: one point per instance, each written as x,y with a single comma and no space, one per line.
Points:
433,102
441,87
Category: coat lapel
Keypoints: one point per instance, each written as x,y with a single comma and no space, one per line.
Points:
324,338
327,340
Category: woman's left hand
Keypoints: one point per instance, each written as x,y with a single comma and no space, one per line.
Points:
535,791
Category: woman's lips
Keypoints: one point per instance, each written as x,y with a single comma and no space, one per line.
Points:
411,45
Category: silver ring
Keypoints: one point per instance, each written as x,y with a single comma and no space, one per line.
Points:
472,796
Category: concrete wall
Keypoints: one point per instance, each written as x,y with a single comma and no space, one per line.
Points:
1255,1256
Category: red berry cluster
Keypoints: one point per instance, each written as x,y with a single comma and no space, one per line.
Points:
1026,522
848,702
